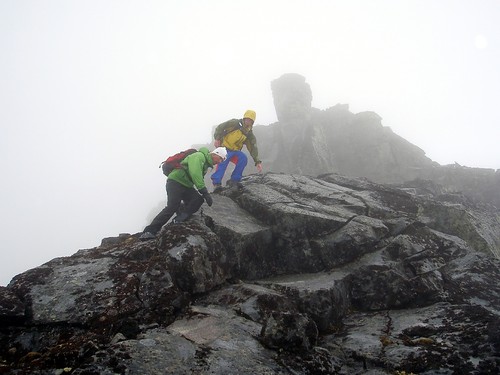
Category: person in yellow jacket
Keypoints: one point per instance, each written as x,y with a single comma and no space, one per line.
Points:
233,135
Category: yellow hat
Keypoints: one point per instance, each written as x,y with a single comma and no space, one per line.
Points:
250,114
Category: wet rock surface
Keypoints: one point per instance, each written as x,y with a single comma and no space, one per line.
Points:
291,275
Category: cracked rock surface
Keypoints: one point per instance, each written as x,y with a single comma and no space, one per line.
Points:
291,275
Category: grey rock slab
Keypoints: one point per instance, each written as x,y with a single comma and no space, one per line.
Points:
66,294
11,307
226,213
433,339
229,340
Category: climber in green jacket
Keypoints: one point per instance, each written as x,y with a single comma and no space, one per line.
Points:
186,184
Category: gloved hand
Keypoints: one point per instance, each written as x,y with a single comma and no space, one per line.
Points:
217,143
208,199
259,167
206,196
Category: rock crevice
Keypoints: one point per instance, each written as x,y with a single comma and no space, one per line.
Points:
352,277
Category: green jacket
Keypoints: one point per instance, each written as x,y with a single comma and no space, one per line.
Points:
233,136
195,166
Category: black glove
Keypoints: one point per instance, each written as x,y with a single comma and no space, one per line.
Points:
208,199
206,196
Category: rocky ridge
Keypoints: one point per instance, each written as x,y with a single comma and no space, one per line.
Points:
291,275
312,141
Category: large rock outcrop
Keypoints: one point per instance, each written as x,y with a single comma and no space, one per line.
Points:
292,275
306,140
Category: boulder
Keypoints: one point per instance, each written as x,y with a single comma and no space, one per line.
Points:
292,274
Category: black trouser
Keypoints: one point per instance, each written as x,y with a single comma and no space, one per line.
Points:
176,193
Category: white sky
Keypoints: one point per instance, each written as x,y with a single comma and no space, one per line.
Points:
95,93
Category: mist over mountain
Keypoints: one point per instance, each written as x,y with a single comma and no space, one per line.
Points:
353,254
309,141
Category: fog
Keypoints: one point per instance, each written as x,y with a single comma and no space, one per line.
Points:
94,94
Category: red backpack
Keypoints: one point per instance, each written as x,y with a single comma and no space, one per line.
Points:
174,161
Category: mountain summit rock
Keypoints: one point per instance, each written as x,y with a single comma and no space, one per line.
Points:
291,275
310,141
